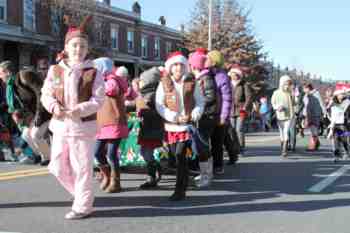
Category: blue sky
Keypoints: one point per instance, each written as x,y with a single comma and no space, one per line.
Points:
311,35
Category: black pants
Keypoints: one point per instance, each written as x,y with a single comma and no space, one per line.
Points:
217,142
206,127
179,150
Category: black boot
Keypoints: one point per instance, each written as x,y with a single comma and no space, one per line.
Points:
181,179
337,155
2,156
159,172
151,181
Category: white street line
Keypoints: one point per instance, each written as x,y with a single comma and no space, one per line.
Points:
7,232
329,180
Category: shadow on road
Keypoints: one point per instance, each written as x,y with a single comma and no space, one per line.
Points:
249,181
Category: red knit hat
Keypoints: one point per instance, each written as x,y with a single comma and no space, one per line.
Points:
173,58
74,31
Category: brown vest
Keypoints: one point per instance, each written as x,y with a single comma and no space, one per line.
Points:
112,111
172,98
84,88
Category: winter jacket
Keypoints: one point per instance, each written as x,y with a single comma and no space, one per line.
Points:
312,110
28,88
207,84
151,125
224,88
171,104
340,114
112,118
281,98
71,83
317,95
238,97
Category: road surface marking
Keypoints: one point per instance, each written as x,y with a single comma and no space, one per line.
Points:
23,173
329,180
262,140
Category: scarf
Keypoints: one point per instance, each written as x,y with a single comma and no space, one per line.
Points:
10,94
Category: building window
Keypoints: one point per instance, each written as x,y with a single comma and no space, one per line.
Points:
157,47
168,47
3,10
29,14
99,32
114,36
144,46
130,41
55,22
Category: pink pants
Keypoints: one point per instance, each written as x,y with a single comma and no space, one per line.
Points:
72,164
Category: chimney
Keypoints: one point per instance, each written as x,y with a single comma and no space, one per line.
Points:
136,8
162,20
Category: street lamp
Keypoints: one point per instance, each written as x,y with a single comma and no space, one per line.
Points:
210,25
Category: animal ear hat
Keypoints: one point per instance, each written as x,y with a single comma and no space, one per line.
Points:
74,31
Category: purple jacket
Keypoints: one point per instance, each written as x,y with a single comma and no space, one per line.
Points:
223,84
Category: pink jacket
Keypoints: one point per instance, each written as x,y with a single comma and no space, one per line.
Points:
113,87
73,126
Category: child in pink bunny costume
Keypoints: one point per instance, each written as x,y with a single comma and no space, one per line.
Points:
73,92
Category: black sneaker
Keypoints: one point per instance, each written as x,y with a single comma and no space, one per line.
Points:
149,184
232,161
2,157
219,170
177,196
44,163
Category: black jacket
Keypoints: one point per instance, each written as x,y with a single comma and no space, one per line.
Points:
212,99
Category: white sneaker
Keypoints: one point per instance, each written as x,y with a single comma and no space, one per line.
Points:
204,181
26,160
72,215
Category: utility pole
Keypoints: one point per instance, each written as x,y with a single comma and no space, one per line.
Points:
210,25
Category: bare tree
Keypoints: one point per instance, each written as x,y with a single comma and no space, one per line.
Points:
75,9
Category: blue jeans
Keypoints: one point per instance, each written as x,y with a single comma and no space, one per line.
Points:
147,154
241,128
111,157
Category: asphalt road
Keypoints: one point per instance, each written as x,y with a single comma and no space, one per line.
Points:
263,193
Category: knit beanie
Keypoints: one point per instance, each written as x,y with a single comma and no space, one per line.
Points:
104,65
122,71
173,58
216,58
150,78
197,59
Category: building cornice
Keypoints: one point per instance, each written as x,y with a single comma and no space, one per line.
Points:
18,34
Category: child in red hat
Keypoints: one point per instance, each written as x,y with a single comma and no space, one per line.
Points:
180,103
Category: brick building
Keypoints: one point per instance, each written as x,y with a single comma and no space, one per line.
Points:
120,34
22,34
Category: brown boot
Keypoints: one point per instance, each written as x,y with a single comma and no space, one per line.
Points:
105,177
114,184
